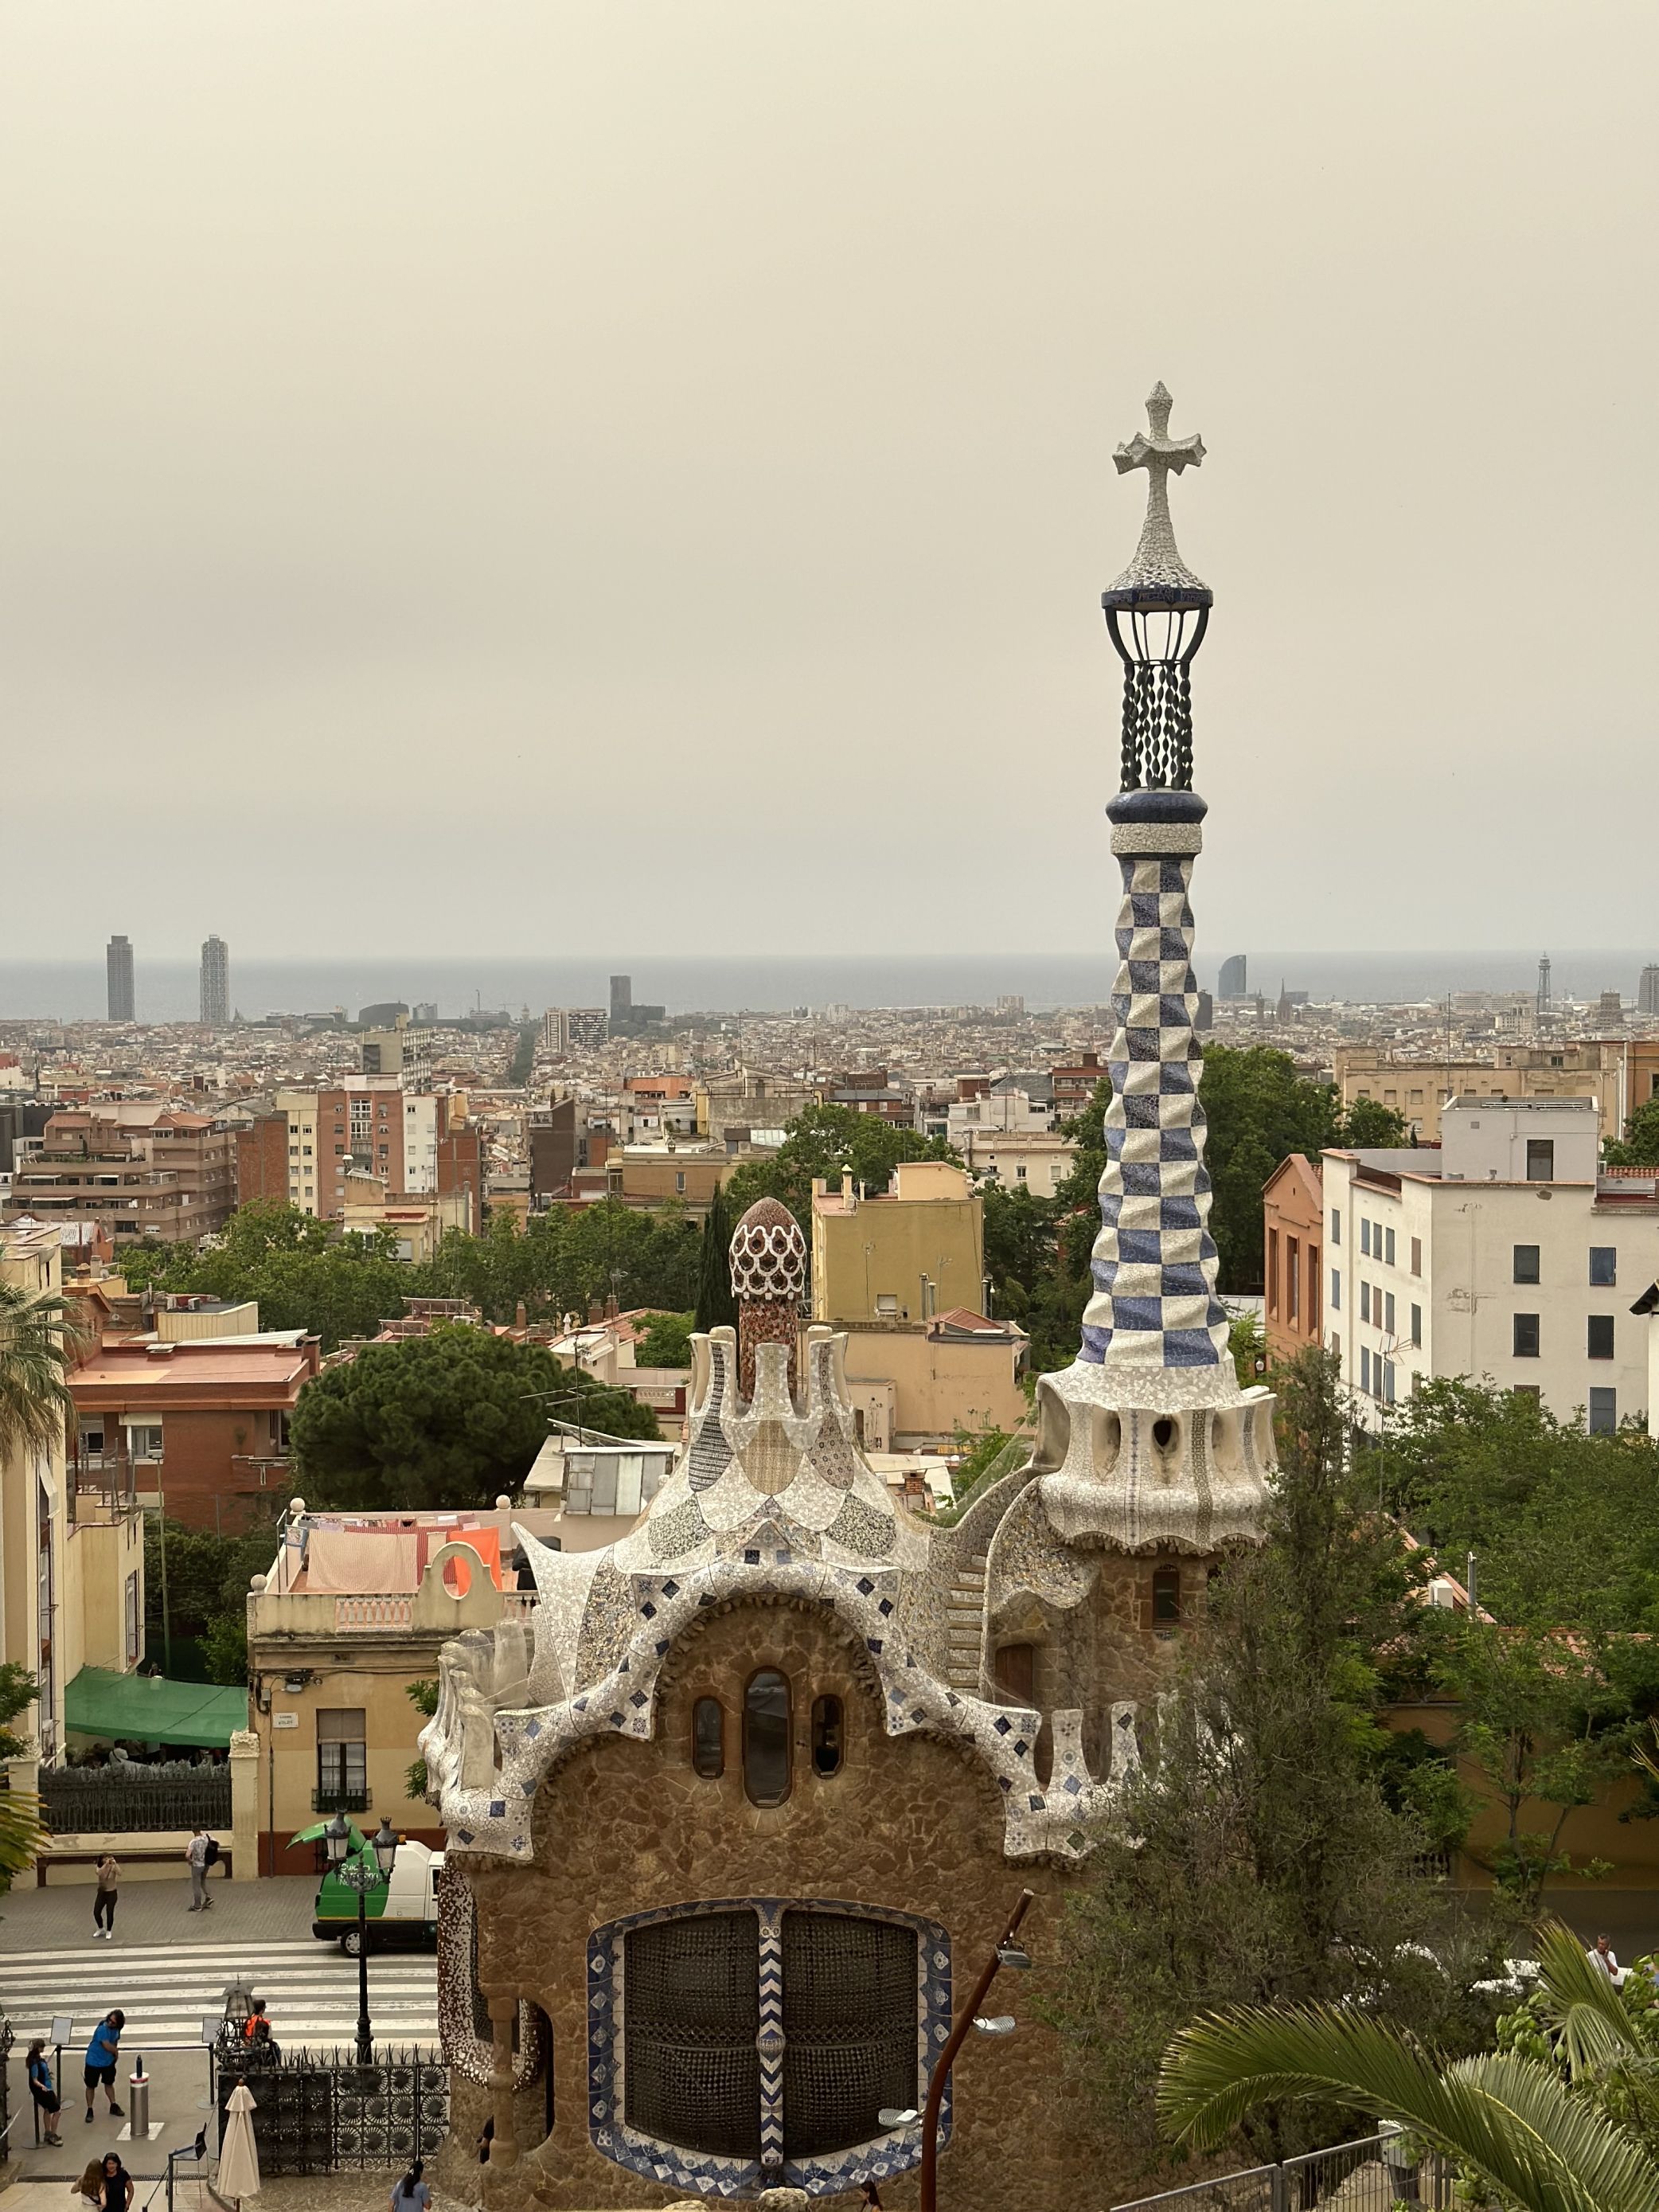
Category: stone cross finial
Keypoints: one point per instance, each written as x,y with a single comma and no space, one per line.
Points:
1157,566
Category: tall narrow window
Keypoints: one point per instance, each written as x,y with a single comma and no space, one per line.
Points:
829,1738
1016,1672
766,1738
1603,1266
1526,1263
1540,1159
1336,1226
1416,1256
1292,1279
1387,1247
1526,1336
707,1739
1600,1336
1417,1324
1312,1322
1604,1413
1166,1595
1273,1271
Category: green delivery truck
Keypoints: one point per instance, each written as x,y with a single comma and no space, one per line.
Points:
404,1910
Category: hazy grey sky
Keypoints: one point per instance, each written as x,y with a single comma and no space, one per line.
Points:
549,477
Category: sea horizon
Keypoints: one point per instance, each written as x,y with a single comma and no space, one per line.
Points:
166,990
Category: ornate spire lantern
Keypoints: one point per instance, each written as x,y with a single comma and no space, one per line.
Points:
1175,1451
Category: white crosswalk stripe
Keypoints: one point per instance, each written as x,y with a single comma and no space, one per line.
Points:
167,1989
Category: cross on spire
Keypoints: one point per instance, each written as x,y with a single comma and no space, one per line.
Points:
1157,569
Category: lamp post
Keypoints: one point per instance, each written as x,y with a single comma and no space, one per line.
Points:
1009,1953
367,1870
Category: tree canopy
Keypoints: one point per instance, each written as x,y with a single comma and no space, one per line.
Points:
822,1140
1640,1146
452,1419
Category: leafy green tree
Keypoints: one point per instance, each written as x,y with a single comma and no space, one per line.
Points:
1367,1121
666,1341
36,1346
1640,1148
452,1419
1543,1726
524,1057
206,1586
301,1271
18,1692
1259,1110
21,1832
716,1308
1257,1858
822,1141
424,1696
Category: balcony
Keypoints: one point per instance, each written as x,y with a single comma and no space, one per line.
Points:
341,1801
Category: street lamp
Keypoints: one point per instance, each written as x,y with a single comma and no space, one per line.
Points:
367,1870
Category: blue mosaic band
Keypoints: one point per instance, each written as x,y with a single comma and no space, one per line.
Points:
1154,1265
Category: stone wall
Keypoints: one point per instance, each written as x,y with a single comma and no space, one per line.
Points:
909,1823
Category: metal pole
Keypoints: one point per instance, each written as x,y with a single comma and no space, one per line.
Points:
941,2073
166,1624
365,2034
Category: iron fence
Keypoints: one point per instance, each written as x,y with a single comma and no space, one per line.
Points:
103,1801
317,2112
7,2038
1372,2174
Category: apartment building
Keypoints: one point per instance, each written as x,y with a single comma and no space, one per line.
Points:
1618,1073
915,1252
750,1099
216,984
1503,1254
200,1427
71,1551
138,1170
1038,1163
419,1144
1013,1105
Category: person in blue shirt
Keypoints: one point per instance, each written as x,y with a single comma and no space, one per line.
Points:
101,2062
40,2088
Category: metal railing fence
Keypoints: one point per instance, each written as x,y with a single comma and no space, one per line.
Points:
93,1801
1369,2175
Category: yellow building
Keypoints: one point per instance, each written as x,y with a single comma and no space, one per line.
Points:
915,1385
915,1253
71,1558
1620,1073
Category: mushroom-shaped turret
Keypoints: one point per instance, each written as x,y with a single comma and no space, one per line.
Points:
768,1273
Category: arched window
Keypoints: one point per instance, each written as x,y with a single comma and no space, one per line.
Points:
766,1738
1166,1593
829,1737
707,1739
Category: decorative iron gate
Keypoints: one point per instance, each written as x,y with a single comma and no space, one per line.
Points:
318,2113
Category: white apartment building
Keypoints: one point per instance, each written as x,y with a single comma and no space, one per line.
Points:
1500,1254
370,1123
1014,1105
1038,1163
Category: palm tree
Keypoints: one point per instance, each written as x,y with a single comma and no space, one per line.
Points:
1537,2142
37,1342
22,1833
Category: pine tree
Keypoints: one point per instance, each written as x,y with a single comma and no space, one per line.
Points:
716,1307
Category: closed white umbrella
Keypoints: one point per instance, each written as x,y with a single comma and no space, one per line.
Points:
239,2154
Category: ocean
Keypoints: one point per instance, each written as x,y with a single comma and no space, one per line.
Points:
166,989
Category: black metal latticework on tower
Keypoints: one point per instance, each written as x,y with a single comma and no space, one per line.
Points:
1157,613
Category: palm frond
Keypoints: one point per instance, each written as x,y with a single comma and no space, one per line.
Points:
1509,2121
36,1340
21,1832
1582,2005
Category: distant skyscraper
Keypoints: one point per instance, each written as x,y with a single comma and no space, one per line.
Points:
622,999
117,965
1647,991
216,984
1234,982
1543,1003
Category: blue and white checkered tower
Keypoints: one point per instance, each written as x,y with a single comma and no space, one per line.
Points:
1171,1451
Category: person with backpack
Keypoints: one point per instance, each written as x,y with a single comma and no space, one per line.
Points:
196,1857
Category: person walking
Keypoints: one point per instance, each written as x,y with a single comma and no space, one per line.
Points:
103,1899
87,2185
412,2194
196,1853
101,2062
47,2101
114,2185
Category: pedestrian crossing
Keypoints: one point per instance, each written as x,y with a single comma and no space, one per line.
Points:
167,1989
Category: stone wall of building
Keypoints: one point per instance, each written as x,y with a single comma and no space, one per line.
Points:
907,1824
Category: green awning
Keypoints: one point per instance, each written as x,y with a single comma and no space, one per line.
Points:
148,1709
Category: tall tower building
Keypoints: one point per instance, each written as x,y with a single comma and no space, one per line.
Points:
621,1000
1543,1003
118,970
1154,1445
1233,982
216,984
1647,991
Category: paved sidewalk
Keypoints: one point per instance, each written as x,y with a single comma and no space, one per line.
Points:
59,1917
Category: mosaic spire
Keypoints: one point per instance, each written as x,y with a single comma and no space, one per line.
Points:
1155,1312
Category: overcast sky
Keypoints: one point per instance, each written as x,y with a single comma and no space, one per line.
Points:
542,477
